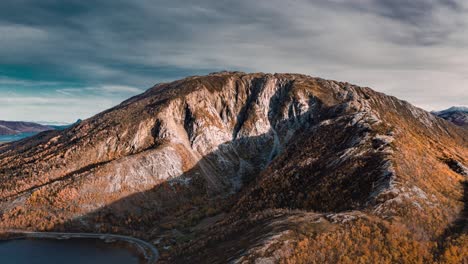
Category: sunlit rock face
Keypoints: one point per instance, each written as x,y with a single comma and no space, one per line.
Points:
236,147
233,124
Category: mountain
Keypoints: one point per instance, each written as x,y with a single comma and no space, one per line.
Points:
15,131
457,115
251,168
14,127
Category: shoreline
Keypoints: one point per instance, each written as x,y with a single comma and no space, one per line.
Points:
147,252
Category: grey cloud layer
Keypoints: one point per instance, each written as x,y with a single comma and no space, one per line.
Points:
412,49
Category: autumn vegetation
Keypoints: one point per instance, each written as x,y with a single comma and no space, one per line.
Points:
362,178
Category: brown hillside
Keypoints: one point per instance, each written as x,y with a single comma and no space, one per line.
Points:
251,167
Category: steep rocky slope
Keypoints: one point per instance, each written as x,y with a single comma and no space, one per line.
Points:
13,127
251,167
456,115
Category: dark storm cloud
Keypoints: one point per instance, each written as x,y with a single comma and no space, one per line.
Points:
105,40
413,12
389,44
97,40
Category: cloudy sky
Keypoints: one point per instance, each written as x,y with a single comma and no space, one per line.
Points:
61,60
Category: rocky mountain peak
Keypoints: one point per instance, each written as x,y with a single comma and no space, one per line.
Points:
239,147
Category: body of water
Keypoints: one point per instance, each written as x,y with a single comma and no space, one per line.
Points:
9,138
72,251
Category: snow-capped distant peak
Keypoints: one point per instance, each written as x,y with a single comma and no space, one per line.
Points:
452,109
455,114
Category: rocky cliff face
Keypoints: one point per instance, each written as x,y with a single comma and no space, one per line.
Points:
245,161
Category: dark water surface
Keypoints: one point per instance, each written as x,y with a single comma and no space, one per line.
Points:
72,251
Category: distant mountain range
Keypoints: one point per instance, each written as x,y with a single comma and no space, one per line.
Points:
15,127
16,130
456,114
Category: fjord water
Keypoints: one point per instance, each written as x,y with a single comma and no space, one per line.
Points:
73,251
9,138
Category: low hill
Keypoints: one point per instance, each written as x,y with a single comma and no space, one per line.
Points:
16,127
